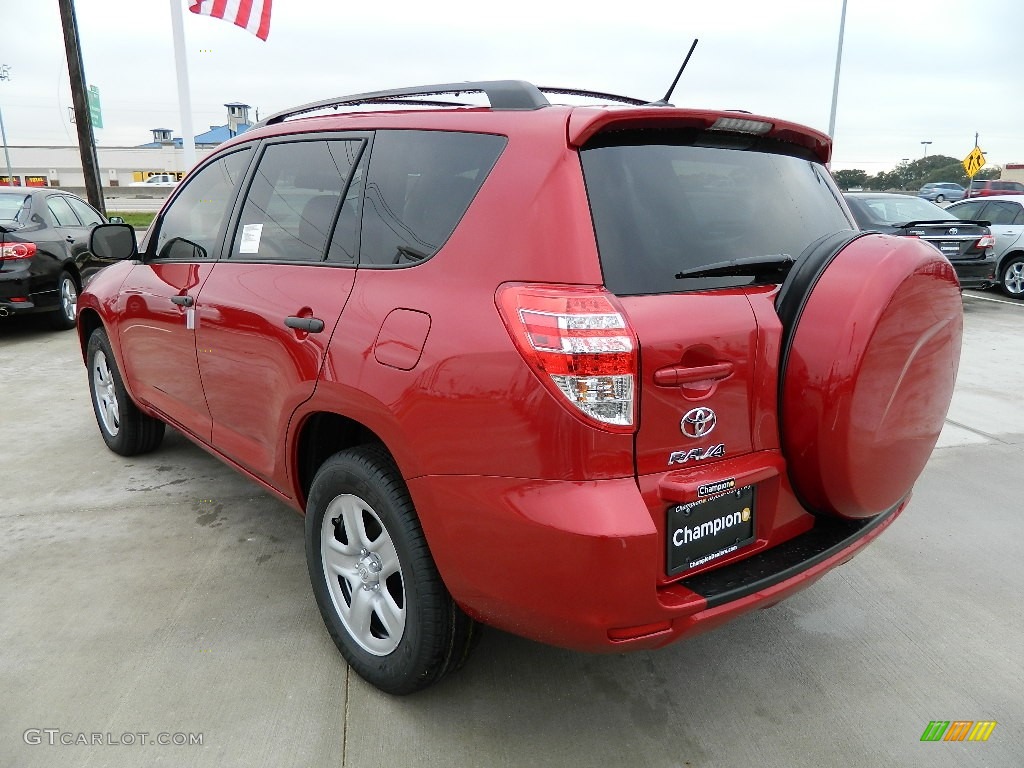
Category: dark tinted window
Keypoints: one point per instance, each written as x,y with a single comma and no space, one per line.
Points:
86,213
999,212
660,208
967,211
419,185
192,226
61,212
293,200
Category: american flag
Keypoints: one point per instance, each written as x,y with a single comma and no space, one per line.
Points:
252,15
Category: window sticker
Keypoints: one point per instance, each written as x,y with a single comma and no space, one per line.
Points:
251,234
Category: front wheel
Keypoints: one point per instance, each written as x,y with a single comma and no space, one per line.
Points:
376,585
125,429
1012,278
63,318
940,198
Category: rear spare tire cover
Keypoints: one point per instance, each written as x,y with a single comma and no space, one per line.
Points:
869,359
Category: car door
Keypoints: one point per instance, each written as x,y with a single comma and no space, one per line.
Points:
157,299
1007,223
267,312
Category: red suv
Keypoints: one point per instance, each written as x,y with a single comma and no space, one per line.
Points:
601,376
989,187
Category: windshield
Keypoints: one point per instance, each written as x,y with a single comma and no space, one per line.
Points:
895,209
663,209
12,204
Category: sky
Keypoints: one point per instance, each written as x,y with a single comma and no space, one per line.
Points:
912,70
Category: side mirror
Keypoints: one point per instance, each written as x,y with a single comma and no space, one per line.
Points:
113,242
115,220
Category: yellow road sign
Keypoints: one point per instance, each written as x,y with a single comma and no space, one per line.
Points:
974,162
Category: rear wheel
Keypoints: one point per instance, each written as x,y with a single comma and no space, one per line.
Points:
125,429
63,318
376,585
1012,278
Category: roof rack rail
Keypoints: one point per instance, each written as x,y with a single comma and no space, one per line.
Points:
502,94
594,94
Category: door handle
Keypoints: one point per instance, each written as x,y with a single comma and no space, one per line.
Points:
183,301
70,239
307,324
677,375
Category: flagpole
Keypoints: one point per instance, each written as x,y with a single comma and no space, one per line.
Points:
188,141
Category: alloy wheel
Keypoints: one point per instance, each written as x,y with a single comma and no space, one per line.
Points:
105,395
364,575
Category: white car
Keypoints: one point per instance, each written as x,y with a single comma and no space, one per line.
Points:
158,180
1006,214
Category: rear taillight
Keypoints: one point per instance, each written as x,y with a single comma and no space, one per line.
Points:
13,251
578,342
985,241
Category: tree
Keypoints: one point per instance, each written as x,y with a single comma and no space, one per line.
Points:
850,178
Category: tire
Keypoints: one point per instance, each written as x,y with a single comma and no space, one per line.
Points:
375,582
940,198
63,318
125,429
1011,279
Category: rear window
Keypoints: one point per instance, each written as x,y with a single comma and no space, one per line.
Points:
660,208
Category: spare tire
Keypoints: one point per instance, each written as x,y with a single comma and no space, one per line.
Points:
872,326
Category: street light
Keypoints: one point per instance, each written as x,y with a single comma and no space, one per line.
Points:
5,74
926,143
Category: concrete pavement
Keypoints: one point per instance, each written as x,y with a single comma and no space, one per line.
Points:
166,595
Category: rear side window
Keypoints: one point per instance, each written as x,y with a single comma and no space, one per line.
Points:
85,212
293,200
418,187
61,212
1001,212
660,208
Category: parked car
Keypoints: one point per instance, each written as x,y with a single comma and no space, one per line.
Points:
941,191
969,245
573,372
989,187
44,256
158,180
1005,217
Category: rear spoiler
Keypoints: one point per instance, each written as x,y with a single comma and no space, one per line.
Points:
586,122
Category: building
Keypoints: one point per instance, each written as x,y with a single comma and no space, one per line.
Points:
61,166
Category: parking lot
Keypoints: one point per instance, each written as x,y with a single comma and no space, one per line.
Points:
166,598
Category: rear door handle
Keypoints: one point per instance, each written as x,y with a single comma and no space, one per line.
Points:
183,301
307,324
677,375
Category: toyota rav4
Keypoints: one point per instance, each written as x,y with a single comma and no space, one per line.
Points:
603,376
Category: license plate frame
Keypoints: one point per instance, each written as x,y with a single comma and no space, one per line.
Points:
950,247
691,538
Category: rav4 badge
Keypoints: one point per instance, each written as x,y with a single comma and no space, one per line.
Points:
697,454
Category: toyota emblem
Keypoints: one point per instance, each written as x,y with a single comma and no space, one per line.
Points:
698,422
953,230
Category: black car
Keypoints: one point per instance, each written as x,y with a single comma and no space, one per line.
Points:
969,245
44,251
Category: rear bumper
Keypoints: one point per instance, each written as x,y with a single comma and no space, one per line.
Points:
578,564
977,274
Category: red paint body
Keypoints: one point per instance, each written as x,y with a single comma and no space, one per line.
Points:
540,522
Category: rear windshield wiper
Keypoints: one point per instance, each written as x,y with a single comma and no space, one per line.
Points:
758,266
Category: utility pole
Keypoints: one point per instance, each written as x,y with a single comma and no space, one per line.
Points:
83,120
